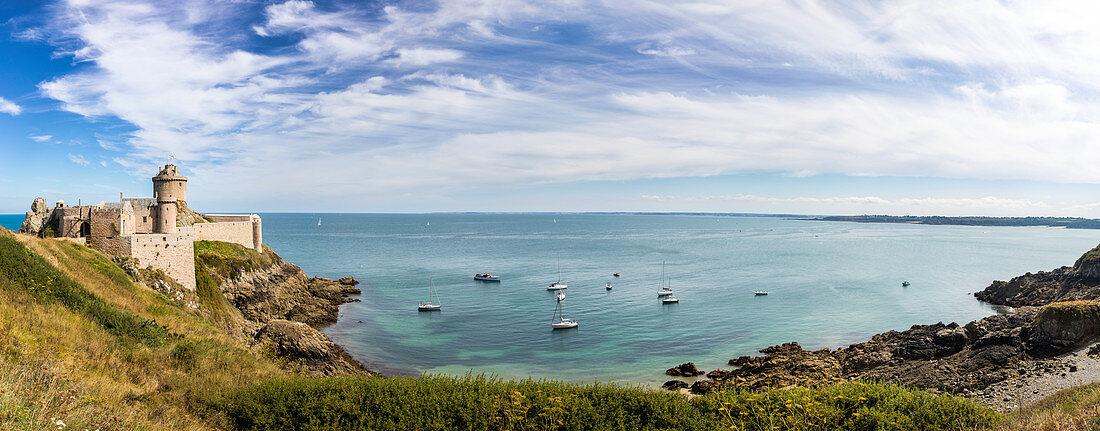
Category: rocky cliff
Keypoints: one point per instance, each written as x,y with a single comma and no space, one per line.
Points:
278,303
1056,313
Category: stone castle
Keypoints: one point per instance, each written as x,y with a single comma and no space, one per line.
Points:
158,232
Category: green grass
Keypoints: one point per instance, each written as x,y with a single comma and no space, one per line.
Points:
480,403
22,267
228,261
1070,311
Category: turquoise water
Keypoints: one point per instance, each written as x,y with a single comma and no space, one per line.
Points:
831,284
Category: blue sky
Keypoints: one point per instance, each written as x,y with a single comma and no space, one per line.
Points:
899,107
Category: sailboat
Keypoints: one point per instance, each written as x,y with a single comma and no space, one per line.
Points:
428,224
559,321
433,303
558,285
664,290
318,221
670,298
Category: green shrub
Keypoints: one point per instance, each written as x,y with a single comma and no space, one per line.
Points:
480,403
228,261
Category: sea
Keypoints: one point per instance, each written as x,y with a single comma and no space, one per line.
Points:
830,284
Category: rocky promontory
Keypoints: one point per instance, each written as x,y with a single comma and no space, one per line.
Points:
1056,314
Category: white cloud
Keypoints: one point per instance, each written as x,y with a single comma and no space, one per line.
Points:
975,90
41,138
9,107
424,56
78,159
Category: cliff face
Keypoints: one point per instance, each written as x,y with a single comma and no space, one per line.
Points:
1076,283
278,303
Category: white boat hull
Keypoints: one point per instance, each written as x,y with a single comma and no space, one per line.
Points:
429,307
670,300
564,324
663,293
557,286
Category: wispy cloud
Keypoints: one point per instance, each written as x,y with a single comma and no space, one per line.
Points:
41,138
79,159
9,107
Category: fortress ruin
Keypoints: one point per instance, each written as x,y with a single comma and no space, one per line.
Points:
158,232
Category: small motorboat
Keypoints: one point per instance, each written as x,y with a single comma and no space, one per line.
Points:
486,277
905,283
670,300
760,292
607,286
615,274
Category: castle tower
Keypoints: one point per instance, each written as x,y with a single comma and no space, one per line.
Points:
165,215
170,184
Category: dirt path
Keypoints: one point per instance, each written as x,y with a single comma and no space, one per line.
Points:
1040,379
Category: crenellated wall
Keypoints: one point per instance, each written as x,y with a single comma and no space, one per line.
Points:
172,253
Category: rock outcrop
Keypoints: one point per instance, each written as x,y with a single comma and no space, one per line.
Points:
283,291
37,219
301,343
1079,282
279,304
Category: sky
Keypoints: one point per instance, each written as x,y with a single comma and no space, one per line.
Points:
800,106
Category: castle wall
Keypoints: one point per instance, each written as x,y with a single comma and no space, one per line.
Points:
105,231
172,253
237,232
143,219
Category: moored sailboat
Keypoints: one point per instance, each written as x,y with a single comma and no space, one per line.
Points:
559,321
432,304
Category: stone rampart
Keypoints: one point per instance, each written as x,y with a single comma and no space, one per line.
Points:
237,229
172,253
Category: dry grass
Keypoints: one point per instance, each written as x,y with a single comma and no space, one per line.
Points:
1073,409
56,363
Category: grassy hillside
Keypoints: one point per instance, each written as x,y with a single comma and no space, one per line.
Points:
81,343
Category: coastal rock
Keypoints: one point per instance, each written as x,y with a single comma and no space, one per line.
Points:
673,385
703,387
304,345
283,291
348,281
686,370
35,221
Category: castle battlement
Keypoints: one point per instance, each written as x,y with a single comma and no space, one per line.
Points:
159,232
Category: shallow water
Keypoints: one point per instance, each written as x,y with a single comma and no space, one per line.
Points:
831,284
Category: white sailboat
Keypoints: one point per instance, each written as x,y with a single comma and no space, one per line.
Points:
664,290
432,304
559,321
558,285
318,221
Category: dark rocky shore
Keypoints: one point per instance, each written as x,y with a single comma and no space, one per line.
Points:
1053,320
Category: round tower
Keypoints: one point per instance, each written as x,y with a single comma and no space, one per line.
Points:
165,215
170,184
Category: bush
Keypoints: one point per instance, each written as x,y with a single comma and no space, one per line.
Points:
479,403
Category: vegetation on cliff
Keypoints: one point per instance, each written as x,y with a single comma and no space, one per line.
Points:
81,343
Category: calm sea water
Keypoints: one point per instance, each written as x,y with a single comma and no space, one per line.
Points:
831,284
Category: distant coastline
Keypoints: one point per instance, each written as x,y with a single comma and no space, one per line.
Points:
1054,222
